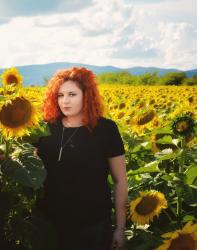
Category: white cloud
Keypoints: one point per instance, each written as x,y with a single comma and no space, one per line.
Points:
177,44
114,32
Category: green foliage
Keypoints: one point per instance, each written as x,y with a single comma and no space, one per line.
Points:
173,173
174,78
22,175
123,77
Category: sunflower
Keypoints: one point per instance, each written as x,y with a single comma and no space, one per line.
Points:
183,125
17,114
11,77
145,207
122,105
145,119
185,238
121,115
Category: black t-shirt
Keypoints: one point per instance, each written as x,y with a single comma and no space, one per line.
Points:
76,188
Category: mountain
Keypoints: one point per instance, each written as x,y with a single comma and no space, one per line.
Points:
37,74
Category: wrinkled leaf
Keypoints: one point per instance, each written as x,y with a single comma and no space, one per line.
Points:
149,168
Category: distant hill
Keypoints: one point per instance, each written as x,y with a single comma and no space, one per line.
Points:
36,74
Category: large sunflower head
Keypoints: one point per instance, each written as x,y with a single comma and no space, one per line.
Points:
11,77
146,206
145,119
183,239
17,114
183,125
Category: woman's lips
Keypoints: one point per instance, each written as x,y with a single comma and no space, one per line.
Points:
67,108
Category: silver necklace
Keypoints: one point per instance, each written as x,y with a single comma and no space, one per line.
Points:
62,146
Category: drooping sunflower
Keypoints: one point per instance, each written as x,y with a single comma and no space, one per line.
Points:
11,76
182,239
17,114
183,125
144,119
149,204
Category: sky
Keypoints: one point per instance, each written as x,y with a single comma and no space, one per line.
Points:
121,33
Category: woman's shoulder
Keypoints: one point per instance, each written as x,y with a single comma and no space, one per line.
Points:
106,122
54,124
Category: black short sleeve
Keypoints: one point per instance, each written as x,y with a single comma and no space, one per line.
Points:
115,144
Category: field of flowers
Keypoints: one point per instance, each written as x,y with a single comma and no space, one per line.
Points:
158,127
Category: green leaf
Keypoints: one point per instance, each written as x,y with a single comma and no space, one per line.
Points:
165,130
166,177
189,196
191,174
166,154
148,168
2,98
188,218
35,133
32,174
167,139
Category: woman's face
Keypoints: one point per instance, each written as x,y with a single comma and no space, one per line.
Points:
70,99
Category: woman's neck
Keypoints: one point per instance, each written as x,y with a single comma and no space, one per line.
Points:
72,121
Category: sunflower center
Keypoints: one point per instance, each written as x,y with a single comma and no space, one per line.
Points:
12,79
147,205
16,113
183,242
147,117
182,126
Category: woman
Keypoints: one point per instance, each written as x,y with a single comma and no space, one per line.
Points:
81,150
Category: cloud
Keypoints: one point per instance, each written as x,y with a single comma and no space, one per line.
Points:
114,32
148,1
177,44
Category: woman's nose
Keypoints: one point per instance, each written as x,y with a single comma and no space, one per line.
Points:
65,100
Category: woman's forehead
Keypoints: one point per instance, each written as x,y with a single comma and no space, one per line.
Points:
69,86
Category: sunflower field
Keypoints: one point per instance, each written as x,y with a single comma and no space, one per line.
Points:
158,126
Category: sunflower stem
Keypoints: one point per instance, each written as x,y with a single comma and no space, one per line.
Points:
134,230
7,148
181,170
169,217
182,156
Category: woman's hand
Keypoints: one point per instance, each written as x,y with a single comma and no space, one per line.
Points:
118,239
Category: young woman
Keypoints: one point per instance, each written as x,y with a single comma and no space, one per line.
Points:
82,149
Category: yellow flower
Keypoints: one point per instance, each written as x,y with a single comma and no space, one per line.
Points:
17,114
182,239
145,119
11,76
145,207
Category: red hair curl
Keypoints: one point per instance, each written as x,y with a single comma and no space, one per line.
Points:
93,107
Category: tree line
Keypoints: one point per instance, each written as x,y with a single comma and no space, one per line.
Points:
123,77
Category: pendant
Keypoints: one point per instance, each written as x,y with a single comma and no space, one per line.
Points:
60,154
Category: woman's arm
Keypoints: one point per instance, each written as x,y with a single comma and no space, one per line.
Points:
118,172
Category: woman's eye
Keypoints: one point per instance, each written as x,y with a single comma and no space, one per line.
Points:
72,94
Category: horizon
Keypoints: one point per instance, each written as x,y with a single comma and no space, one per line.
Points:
40,64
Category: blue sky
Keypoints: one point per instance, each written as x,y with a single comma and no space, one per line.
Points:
123,33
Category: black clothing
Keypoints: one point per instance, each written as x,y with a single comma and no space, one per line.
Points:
76,188
94,237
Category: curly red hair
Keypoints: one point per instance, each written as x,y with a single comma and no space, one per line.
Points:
93,107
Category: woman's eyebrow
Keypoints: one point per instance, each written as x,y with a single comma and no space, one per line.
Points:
72,91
